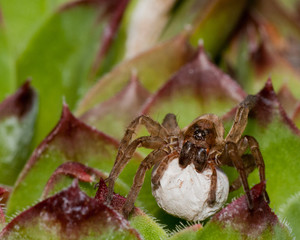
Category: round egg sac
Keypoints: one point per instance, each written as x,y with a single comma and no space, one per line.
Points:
183,192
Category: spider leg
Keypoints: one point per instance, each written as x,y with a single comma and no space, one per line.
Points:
249,167
254,148
153,127
147,163
147,142
241,119
233,154
213,186
161,168
170,123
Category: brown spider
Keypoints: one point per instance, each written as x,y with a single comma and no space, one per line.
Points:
200,145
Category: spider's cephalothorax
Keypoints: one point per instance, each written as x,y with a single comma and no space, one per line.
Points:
186,180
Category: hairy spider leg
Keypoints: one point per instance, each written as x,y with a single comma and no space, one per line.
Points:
241,119
126,149
153,127
213,186
233,154
249,164
259,161
147,142
157,156
161,168
154,157
170,123
256,160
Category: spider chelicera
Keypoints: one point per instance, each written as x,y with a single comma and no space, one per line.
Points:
200,146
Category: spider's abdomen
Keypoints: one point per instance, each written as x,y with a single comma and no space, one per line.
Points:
183,192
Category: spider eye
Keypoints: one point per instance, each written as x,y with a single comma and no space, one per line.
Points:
200,134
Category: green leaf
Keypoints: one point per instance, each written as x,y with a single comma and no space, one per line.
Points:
58,58
198,87
17,120
74,141
70,214
111,50
279,141
275,13
211,28
183,14
191,232
115,53
215,231
290,212
22,22
145,225
279,148
153,68
236,221
113,115
62,177
7,77
66,172
206,20
289,5
265,45
288,101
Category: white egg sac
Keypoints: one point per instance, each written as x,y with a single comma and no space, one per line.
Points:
184,192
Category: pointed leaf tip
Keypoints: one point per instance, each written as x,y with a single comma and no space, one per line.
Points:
249,222
176,49
17,124
200,79
72,169
115,13
268,107
71,140
19,103
117,112
268,91
70,214
68,133
72,130
117,202
66,112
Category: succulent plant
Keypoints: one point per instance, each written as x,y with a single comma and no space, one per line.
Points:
75,73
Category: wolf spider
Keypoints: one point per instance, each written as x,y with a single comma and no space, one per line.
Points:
201,143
